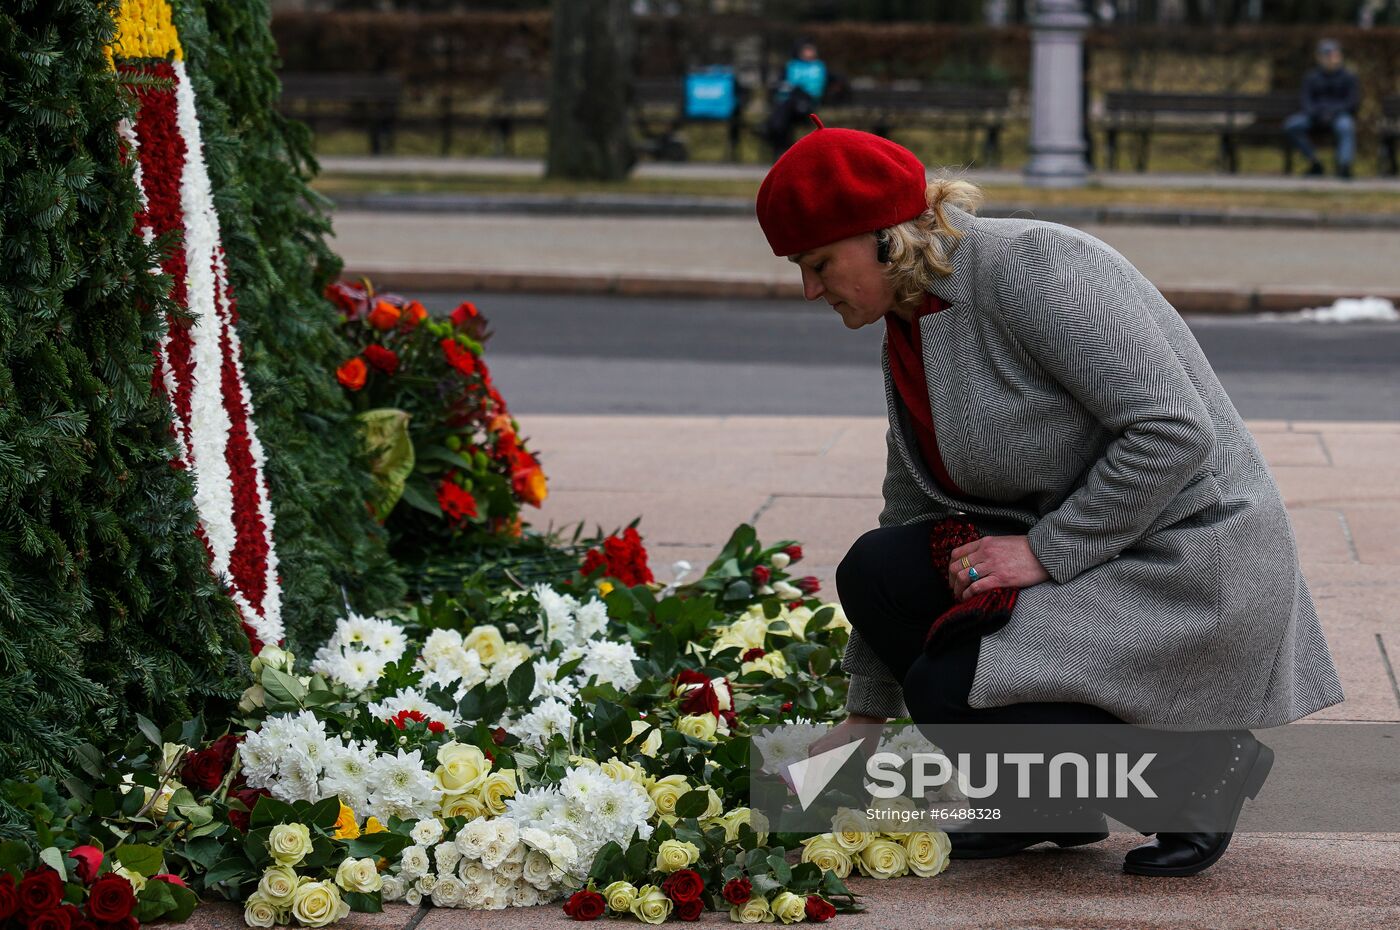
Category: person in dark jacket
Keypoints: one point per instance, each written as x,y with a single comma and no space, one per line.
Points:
1331,94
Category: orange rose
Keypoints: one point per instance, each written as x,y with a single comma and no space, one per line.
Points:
384,315
530,485
413,314
353,373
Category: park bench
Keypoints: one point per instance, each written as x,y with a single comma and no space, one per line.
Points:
970,109
1236,120
345,100
1389,133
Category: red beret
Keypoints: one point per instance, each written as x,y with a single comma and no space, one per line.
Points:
838,183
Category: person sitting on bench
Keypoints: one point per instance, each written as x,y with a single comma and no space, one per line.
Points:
1331,94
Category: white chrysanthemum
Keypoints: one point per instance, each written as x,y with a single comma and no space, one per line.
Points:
388,641
536,807
439,644
347,773
785,745
414,699
298,778
590,620
556,615
551,717
414,863
612,664
400,787
260,757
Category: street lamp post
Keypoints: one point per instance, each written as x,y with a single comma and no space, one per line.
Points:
1057,95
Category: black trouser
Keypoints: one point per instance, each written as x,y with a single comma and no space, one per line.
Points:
891,592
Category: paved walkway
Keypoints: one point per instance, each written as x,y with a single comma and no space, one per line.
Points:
817,480
1208,270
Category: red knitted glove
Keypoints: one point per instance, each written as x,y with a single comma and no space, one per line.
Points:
978,615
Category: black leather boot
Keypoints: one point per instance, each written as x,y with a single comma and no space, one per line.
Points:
1079,828
1179,854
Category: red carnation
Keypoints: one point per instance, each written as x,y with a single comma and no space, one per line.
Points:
690,910
585,905
465,312
753,655
436,727
458,357
89,860
761,575
623,557
40,891
738,890
794,553
386,360
819,909
456,502
110,899
809,585
684,885
55,919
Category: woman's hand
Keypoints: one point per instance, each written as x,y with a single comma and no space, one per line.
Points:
847,730
1001,562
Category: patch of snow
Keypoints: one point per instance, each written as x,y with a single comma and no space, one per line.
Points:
1345,310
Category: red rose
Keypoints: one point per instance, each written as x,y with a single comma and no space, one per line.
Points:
793,605
9,901
384,315
204,770
89,860
41,890
386,360
787,706
110,899
352,300
794,553
819,909
413,314
458,357
731,719
701,700
753,655
126,923
809,585
684,885
352,374
761,575
690,910
585,905
170,879
738,890
248,797
55,919
465,312
498,736
83,923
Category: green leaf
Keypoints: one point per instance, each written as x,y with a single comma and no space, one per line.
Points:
611,723
832,885
323,814
139,858
692,804
53,858
362,903
203,851
521,683
283,691
269,812
765,884
15,853
606,862
390,452
185,903
638,859
150,731
781,871
414,497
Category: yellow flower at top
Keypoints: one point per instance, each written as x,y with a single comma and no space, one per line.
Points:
373,825
146,29
346,827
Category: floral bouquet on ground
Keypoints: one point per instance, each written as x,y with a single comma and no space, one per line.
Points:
448,461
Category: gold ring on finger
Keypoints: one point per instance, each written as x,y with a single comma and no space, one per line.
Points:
966,563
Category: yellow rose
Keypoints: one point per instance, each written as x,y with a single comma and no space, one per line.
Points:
372,825
289,843
731,822
260,912
883,859
674,855
753,911
488,642
894,816
346,827
358,875
651,905
620,896
928,852
826,854
317,904
161,807
665,792
460,768
748,633
651,744
462,804
495,789
790,908
851,830
700,726
772,664
277,885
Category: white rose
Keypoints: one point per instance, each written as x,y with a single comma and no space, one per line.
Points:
426,883
289,843
883,859
780,560
789,908
472,839
786,591
413,897
318,904
445,857
427,832
359,875
507,834
392,889
699,726
449,892
488,642
260,912
414,862
494,854
277,884
537,869
928,852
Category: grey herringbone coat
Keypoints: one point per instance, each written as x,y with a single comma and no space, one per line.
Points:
1067,390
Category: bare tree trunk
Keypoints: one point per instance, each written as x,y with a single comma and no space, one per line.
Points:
590,111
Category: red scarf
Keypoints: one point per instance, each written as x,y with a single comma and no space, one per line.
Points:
983,613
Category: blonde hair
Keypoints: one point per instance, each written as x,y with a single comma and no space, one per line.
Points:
921,249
